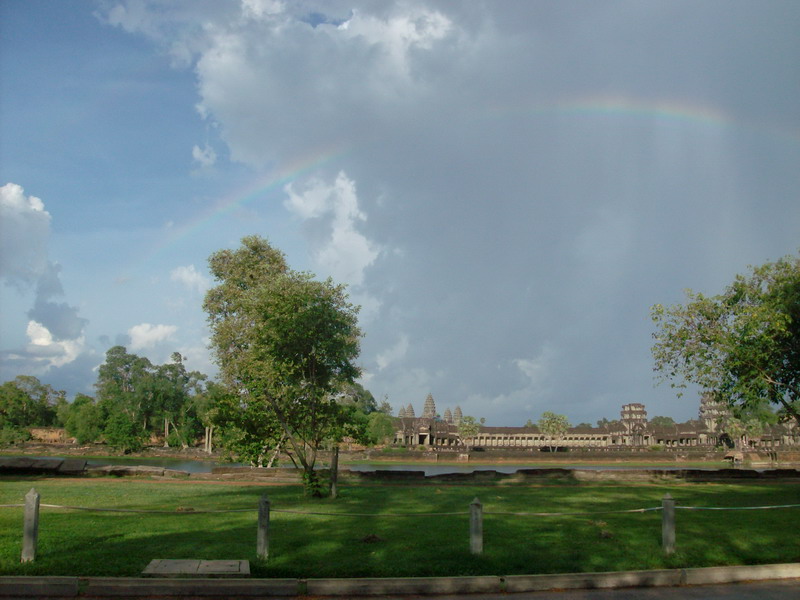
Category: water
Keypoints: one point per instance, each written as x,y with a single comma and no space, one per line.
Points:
178,464
433,469
203,466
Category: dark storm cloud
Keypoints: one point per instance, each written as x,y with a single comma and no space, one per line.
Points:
537,175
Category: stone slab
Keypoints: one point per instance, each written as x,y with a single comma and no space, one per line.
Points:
130,587
402,585
709,575
72,466
161,567
26,465
38,587
571,581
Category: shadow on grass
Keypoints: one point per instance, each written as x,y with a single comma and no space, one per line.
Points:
120,544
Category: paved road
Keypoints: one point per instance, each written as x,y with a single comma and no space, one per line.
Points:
762,590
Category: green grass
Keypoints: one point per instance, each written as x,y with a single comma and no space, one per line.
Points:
119,544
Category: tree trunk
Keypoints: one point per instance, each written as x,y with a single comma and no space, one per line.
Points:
274,455
334,471
207,441
166,432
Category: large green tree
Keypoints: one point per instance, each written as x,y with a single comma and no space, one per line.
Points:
84,419
124,384
468,429
554,426
27,402
139,398
285,344
743,345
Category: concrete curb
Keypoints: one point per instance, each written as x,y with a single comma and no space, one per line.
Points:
132,587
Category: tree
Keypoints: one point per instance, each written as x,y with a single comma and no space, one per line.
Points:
554,426
285,344
467,428
354,394
123,433
27,402
125,384
384,406
743,345
250,428
174,389
606,424
380,427
84,420
662,422
206,407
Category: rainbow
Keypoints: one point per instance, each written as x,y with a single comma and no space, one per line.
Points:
597,105
663,110
255,189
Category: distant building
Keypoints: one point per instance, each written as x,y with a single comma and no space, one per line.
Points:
632,431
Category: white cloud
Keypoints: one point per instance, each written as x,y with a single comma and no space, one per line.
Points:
205,156
399,34
261,9
46,351
342,251
191,278
146,335
24,231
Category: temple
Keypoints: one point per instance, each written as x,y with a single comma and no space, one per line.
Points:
631,431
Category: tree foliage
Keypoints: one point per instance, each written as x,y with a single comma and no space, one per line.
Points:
659,421
381,427
84,419
743,345
26,402
554,426
285,344
151,398
468,428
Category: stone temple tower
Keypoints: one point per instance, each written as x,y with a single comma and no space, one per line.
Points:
429,411
711,411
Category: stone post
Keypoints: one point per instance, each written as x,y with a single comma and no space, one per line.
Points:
668,524
476,527
262,543
30,526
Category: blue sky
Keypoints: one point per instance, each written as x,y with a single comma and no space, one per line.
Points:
506,187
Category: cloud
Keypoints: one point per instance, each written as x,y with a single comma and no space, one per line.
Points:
145,335
261,9
205,156
191,278
24,232
54,329
60,319
528,225
51,352
393,354
339,249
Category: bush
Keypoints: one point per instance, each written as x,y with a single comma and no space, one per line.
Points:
13,435
123,434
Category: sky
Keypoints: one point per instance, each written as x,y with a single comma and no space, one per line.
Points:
505,187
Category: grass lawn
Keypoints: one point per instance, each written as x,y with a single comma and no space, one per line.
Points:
120,544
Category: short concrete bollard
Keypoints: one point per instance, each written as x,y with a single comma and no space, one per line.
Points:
262,542
30,526
476,527
668,524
